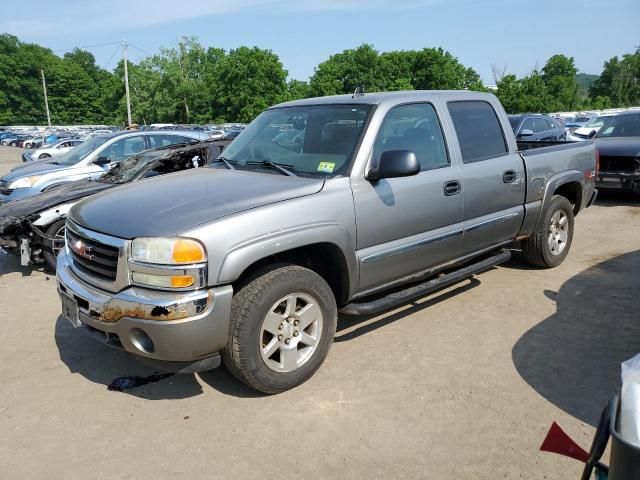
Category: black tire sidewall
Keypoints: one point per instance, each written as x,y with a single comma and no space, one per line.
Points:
300,280
557,203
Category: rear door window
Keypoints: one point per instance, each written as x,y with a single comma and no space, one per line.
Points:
124,148
162,140
541,125
478,130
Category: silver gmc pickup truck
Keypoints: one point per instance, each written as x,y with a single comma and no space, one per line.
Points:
349,204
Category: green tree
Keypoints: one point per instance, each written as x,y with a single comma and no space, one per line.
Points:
619,81
346,71
246,81
297,89
437,69
559,76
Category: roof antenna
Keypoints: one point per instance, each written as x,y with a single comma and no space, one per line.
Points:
359,91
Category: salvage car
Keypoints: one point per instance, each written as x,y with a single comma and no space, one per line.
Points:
33,228
618,144
589,129
388,197
89,160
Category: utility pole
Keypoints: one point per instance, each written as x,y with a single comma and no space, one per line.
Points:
46,100
126,81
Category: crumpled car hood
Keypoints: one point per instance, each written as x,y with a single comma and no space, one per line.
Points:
168,205
13,213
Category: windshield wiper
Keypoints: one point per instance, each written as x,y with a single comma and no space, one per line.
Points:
277,166
226,162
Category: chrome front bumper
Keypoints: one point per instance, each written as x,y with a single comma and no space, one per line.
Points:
178,327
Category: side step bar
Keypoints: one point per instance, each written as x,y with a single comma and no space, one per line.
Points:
415,291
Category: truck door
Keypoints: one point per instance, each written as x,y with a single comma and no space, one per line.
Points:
493,178
409,224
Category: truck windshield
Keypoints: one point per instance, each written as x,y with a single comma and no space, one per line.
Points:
316,140
621,126
80,152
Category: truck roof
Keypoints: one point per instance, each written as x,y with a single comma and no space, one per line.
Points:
377,98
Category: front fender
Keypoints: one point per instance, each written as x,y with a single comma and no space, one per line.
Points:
243,255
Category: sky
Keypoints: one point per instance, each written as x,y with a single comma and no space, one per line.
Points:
514,34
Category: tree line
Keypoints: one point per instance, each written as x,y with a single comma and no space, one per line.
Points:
190,83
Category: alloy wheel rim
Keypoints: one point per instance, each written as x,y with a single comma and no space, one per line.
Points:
58,243
558,234
290,332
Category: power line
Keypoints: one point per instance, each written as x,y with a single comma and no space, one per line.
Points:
111,57
86,46
140,49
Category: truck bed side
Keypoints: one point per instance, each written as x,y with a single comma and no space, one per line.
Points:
565,168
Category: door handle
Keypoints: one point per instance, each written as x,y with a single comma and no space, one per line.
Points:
509,176
452,187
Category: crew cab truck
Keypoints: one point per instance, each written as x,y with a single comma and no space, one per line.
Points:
374,200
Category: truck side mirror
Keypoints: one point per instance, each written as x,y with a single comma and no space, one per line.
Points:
526,133
102,161
592,133
393,164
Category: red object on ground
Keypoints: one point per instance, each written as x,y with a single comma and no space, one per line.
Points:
559,442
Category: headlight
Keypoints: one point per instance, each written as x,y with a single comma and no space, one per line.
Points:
168,263
24,182
167,251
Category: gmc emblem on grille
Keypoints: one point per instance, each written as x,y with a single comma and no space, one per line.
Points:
81,249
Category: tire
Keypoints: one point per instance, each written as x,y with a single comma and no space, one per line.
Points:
549,246
272,308
50,254
43,155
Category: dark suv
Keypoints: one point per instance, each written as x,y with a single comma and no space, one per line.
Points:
536,128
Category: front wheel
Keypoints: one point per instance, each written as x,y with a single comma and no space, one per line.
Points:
43,156
549,245
55,230
282,326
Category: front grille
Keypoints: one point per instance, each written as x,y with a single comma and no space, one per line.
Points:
4,187
619,164
99,260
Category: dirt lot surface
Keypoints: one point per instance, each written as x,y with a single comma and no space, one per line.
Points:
462,384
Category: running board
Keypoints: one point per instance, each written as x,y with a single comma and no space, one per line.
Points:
398,297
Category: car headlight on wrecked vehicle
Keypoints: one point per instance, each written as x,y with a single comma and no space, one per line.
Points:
168,263
24,182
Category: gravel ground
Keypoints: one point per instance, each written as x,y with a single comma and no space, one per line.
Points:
461,384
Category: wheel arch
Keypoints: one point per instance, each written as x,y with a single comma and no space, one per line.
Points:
328,258
567,184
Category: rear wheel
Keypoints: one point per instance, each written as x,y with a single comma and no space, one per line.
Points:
43,155
56,230
550,243
282,326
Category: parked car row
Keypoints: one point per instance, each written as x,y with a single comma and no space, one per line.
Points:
89,160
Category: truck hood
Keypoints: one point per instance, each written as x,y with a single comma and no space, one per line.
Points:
31,169
618,147
168,205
